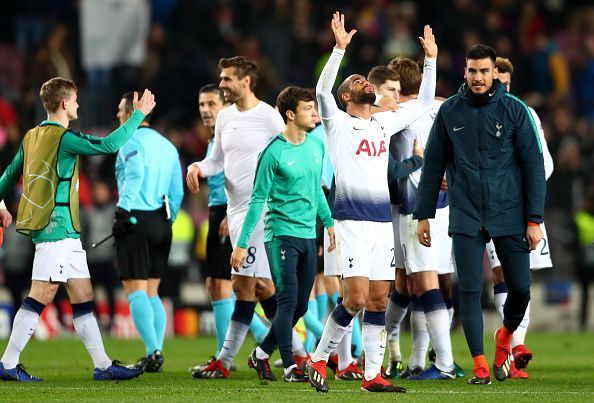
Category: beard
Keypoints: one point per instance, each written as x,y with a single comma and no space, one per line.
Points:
365,98
231,96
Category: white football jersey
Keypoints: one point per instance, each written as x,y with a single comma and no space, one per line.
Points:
546,155
402,148
239,137
358,148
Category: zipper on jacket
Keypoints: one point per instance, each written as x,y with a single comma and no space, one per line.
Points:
481,139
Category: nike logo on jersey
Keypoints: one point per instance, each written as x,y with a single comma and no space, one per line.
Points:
492,93
290,162
459,128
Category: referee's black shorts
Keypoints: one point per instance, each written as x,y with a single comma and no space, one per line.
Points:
218,251
143,254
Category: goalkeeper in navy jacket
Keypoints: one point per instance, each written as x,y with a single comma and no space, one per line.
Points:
486,142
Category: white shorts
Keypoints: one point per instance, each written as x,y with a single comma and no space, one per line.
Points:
60,261
330,259
437,257
540,257
398,255
365,248
256,263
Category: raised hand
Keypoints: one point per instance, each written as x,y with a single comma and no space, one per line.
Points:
428,42
340,34
146,103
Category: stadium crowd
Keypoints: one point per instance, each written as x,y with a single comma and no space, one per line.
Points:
173,48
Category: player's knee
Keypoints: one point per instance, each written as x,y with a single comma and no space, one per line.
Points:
354,303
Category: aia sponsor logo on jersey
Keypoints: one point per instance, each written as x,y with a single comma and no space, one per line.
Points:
371,148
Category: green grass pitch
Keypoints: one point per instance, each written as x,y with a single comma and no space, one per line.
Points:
562,370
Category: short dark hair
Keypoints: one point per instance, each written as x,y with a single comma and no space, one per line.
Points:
410,75
481,51
289,98
129,98
380,74
212,88
244,66
343,89
504,65
53,91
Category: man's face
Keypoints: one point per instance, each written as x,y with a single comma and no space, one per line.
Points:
480,74
71,106
305,115
390,88
360,91
209,105
123,113
505,79
233,87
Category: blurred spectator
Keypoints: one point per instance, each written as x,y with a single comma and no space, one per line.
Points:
552,41
584,220
17,261
97,221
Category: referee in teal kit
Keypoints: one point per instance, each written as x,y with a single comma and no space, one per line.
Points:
288,179
150,189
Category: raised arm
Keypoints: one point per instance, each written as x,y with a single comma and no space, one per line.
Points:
400,119
77,143
326,101
428,83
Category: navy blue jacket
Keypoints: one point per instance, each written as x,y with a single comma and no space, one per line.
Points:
491,152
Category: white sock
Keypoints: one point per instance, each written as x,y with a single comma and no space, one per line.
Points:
297,345
438,326
374,345
23,327
451,315
394,316
333,334
234,338
519,336
344,349
499,300
420,339
288,370
260,354
87,328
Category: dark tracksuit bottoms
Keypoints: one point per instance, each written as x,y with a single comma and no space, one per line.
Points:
293,268
514,254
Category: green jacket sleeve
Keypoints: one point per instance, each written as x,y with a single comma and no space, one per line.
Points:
324,209
12,174
265,173
77,143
